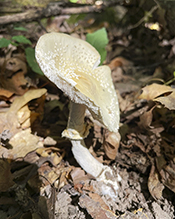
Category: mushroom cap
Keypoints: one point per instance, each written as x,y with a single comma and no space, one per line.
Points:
72,64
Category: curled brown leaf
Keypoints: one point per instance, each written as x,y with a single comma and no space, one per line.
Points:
111,144
152,91
154,185
12,76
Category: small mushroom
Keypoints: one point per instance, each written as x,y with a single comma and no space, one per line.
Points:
72,64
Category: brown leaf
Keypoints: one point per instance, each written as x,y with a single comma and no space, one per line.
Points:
168,101
47,172
6,177
23,116
51,174
124,103
146,119
97,198
119,62
52,153
12,76
12,119
167,172
95,209
111,144
78,175
28,96
154,185
152,91
64,175
119,66
5,94
23,142
49,141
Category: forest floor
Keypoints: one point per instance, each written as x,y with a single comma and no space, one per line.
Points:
39,177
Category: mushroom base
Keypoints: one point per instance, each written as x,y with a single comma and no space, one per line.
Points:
107,179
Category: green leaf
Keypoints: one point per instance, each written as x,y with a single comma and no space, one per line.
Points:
30,56
4,42
21,39
99,40
20,28
15,44
74,18
73,1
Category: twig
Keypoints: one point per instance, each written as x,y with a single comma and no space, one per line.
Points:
54,9
144,18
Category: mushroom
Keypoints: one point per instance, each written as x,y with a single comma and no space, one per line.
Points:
72,65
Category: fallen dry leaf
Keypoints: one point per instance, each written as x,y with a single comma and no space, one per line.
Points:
52,176
119,66
12,76
146,119
154,185
168,101
23,142
11,120
5,94
78,175
55,155
49,141
111,144
95,209
6,177
64,176
124,103
23,116
28,96
119,62
152,91
167,172
23,172
48,172
97,198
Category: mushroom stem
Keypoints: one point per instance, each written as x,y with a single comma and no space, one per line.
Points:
76,128
76,116
76,131
85,159
104,174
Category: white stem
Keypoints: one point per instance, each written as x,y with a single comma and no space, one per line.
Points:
76,128
76,131
76,116
85,159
